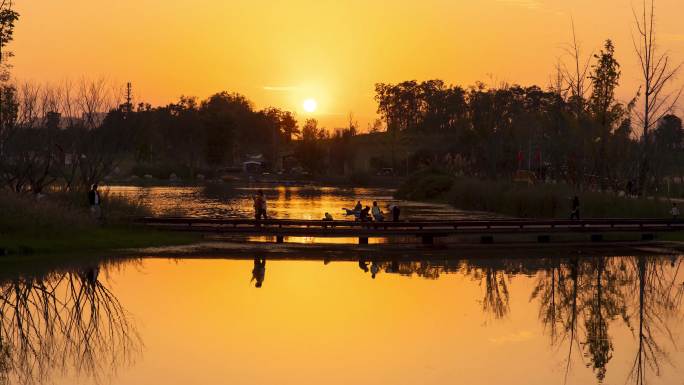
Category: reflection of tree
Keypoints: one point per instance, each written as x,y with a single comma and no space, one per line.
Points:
602,302
496,293
659,295
548,291
581,297
580,293
495,280
425,268
64,322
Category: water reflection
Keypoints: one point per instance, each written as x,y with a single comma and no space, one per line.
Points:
579,299
620,317
259,272
62,322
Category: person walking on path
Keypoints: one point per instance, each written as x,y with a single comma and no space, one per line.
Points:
575,213
94,202
674,211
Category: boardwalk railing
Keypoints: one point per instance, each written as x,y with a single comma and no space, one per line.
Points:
427,230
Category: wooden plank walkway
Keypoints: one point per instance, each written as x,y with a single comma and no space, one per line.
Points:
426,230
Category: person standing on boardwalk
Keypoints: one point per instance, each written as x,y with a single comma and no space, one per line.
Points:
94,201
260,206
575,213
377,213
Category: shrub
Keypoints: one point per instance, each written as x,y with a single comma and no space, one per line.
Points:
61,212
523,201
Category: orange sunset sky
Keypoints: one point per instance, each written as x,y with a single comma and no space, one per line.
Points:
279,53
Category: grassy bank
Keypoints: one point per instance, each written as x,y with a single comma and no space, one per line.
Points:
523,201
61,223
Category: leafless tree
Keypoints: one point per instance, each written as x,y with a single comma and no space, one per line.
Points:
93,99
575,74
29,105
658,72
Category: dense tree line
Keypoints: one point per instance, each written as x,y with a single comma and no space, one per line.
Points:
584,140
220,130
58,134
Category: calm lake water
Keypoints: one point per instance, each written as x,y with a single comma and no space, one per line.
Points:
286,202
489,321
309,320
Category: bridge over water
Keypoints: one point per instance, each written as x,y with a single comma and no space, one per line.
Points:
426,231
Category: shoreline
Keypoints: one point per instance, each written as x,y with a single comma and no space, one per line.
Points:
344,253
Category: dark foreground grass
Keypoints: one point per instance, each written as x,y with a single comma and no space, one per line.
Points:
61,224
101,239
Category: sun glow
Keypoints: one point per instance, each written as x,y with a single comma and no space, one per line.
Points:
310,105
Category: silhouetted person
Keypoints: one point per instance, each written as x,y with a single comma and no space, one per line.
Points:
363,265
259,272
356,211
674,211
395,213
575,212
95,201
377,213
629,188
327,217
363,215
358,206
260,206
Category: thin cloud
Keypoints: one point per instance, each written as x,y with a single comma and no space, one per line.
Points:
280,88
529,4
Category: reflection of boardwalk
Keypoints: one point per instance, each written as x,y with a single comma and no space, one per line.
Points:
425,230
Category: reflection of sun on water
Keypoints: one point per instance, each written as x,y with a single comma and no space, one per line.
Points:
218,200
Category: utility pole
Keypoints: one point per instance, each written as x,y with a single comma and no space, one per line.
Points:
129,98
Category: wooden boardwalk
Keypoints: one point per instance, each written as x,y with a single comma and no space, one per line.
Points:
425,230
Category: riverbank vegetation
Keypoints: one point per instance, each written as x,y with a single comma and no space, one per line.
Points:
60,222
526,201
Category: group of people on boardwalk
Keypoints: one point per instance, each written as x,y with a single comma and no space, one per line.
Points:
360,213
374,213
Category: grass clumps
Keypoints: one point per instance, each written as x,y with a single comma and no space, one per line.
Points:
60,222
525,201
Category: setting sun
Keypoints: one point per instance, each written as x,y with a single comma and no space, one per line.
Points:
310,105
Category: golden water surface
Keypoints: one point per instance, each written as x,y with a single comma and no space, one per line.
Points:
204,321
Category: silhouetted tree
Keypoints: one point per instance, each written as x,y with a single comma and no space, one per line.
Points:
308,150
657,73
